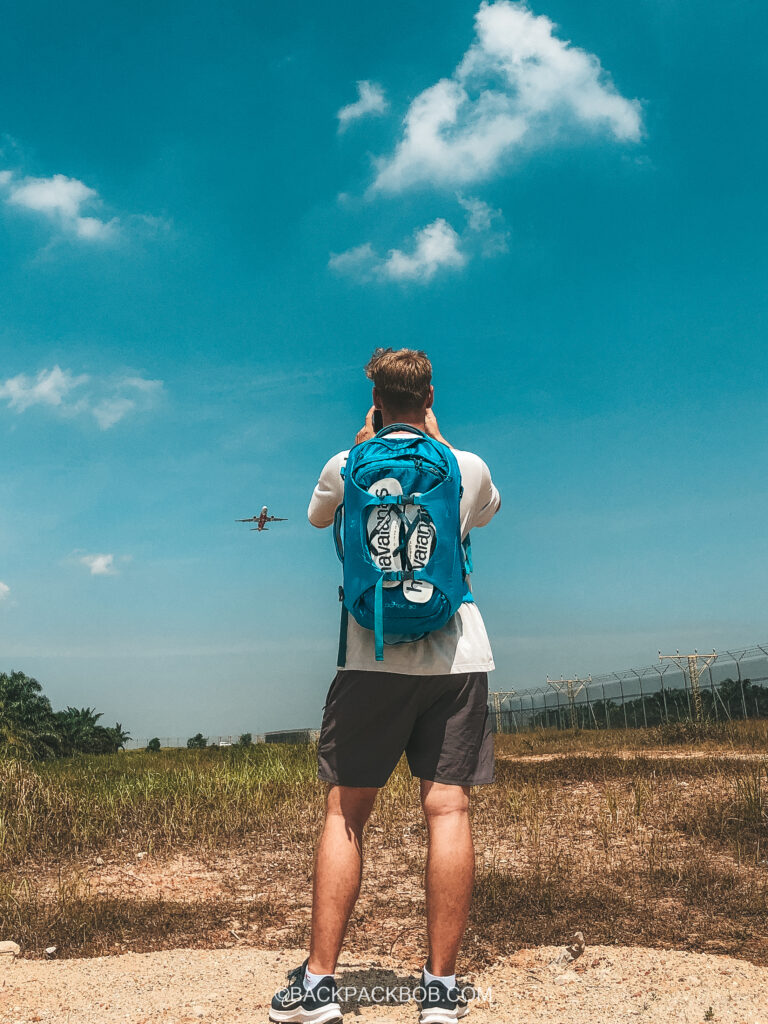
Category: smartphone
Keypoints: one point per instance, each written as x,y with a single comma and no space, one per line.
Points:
378,422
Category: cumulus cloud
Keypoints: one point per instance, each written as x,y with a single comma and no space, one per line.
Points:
371,100
100,565
49,387
4,590
517,86
68,203
433,248
107,399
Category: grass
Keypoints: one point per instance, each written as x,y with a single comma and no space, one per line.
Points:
644,847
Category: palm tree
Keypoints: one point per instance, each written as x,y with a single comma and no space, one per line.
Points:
27,723
77,728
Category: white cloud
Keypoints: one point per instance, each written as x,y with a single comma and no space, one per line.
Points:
486,224
49,387
108,400
517,86
371,100
100,565
4,590
434,247
63,201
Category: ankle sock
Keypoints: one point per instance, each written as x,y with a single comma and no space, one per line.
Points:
449,980
311,980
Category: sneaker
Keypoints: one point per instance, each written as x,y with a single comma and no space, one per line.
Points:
294,1004
441,1005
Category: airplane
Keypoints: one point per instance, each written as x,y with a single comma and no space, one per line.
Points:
261,520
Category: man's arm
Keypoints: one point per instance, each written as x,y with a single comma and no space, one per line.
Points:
488,497
329,492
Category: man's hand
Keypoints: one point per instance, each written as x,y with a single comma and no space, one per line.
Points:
366,432
432,429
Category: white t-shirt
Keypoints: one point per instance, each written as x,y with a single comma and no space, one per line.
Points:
462,644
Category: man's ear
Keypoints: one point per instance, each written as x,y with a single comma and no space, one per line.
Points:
430,397
376,399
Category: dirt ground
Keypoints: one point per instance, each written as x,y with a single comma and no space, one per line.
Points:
606,985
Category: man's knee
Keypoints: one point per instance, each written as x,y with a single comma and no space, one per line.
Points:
439,799
352,803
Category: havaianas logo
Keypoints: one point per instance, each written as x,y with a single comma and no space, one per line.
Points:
383,531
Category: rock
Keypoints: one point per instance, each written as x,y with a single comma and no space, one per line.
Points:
141,856
50,951
198,1011
99,862
575,947
563,979
10,949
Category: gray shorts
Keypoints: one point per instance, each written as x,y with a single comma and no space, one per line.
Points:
440,722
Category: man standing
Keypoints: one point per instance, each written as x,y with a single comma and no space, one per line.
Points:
431,704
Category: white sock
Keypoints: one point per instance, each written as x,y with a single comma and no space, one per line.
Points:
449,980
311,980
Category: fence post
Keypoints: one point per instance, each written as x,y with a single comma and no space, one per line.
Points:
642,697
623,701
741,685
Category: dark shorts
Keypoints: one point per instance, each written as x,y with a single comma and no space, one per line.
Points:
440,722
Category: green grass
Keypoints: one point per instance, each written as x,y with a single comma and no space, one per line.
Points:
650,848
154,802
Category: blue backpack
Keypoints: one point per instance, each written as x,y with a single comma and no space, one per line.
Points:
398,536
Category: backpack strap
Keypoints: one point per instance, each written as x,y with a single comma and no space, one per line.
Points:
466,547
341,659
466,550
378,618
337,518
391,427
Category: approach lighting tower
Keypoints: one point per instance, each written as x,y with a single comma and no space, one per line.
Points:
693,674
573,688
497,699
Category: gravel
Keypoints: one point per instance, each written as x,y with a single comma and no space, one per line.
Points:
606,985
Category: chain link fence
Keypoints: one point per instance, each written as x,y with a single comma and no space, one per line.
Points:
733,686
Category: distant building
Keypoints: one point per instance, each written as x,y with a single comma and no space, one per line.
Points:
292,736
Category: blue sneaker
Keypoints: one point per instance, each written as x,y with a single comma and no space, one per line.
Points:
295,1004
440,1004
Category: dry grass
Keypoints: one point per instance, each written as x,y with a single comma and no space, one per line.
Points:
619,836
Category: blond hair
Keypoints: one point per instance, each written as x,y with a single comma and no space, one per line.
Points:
402,378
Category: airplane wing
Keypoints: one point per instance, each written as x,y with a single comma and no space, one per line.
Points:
253,519
276,519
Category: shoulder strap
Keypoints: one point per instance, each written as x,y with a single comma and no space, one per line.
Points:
391,427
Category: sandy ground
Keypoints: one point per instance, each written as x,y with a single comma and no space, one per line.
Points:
646,755
607,985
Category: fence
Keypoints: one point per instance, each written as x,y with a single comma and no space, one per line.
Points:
732,686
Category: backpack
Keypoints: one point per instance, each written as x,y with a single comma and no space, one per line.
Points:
398,536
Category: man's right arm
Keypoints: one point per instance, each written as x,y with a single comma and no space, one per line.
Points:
329,492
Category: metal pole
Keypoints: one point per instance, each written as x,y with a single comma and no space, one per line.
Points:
623,701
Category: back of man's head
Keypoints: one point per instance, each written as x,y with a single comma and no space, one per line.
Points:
402,379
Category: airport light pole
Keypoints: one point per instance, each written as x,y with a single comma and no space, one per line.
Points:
573,688
694,673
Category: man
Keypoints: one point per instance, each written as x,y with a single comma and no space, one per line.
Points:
431,703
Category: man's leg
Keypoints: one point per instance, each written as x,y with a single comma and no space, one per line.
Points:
450,871
338,870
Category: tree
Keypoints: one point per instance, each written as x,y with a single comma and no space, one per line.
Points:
246,740
154,745
27,723
197,742
77,730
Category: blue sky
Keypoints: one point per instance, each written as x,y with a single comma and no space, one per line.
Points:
563,204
